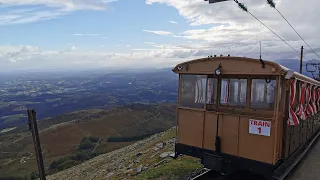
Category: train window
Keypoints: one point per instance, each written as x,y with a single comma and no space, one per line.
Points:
233,92
212,90
263,93
192,91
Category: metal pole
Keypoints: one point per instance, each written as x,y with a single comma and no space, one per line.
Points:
301,57
260,49
36,141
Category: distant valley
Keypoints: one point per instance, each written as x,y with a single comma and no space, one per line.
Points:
80,115
52,94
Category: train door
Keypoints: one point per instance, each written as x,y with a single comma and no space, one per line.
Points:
197,113
221,125
211,114
190,113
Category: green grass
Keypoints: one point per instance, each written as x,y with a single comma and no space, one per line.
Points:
175,169
170,134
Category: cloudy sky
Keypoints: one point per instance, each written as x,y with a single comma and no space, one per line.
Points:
52,34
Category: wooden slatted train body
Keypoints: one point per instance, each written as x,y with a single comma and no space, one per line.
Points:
244,114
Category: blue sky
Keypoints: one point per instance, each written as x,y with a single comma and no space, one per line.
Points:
122,23
53,34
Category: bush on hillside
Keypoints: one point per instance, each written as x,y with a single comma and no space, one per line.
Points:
53,165
129,139
88,143
93,139
85,145
67,164
83,155
34,175
74,159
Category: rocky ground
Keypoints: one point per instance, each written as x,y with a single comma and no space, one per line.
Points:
147,159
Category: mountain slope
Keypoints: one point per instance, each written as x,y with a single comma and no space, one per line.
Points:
60,136
146,159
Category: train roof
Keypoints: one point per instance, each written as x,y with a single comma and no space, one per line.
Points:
238,66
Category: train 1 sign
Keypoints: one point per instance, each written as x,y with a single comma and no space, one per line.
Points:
259,127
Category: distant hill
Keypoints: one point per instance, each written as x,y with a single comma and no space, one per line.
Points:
72,138
59,94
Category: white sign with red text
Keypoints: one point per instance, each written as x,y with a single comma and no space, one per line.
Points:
259,127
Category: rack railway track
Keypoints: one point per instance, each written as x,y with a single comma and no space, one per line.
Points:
207,174
213,175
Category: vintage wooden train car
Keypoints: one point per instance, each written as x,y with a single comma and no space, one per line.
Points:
242,114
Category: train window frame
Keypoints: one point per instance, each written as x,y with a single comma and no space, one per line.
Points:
203,105
241,106
276,88
215,101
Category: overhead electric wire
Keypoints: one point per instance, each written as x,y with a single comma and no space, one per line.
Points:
244,8
273,5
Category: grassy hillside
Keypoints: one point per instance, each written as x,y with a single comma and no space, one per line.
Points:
61,136
139,161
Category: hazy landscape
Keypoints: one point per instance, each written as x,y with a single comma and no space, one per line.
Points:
52,94
81,115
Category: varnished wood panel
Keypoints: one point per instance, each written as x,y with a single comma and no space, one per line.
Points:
190,127
228,132
255,147
210,130
228,64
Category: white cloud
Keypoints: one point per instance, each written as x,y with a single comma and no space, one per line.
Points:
67,5
21,17
235,31
160,55
159,32
73,48
18,58
151,43
80,34
92,35
46,9
173,22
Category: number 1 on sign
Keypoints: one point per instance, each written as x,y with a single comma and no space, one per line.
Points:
259,129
